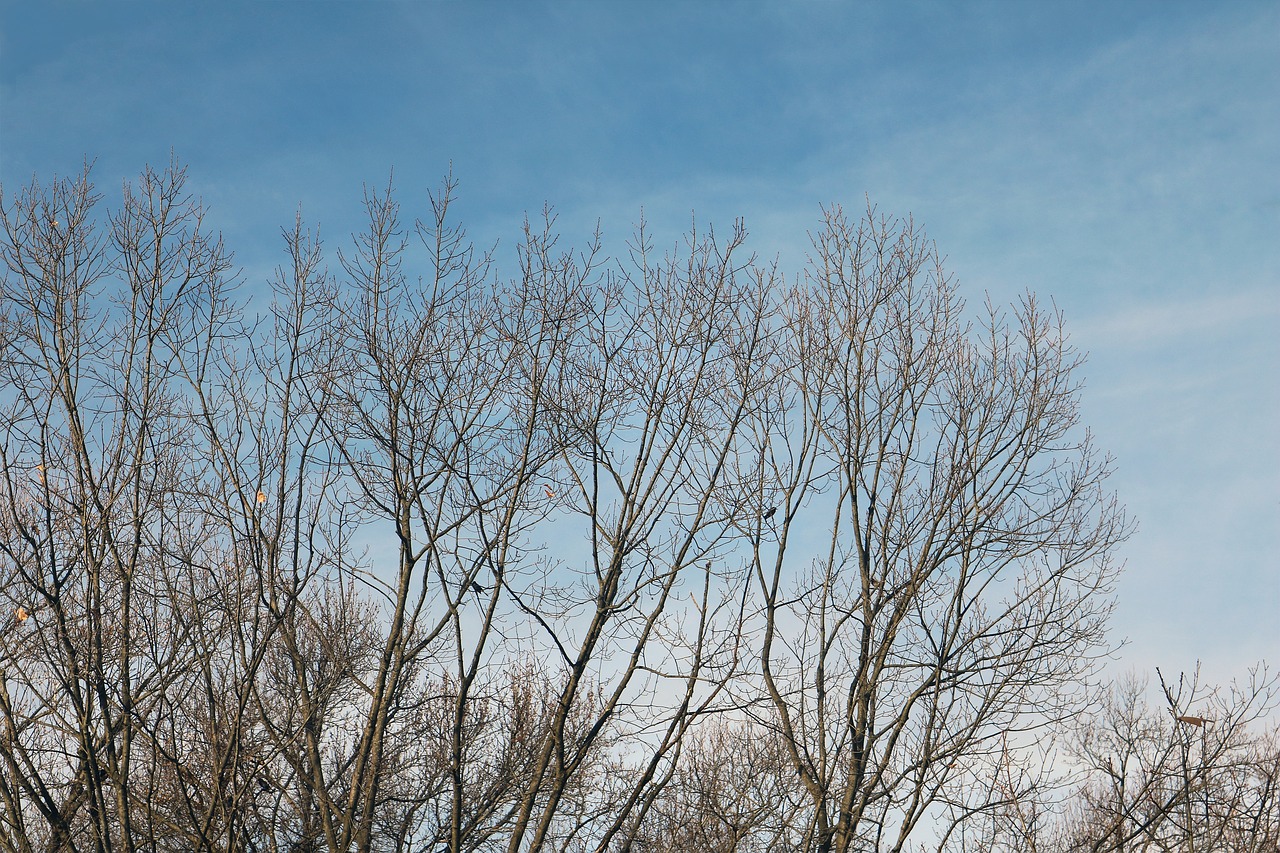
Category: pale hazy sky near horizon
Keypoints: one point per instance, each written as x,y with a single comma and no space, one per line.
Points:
1122,159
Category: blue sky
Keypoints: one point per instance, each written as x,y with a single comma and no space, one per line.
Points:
1123,159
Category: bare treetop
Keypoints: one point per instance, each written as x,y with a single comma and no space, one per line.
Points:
646,538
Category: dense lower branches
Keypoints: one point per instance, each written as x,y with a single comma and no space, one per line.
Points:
662,553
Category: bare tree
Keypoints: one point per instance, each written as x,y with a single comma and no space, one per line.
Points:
602,556
94,454
1194,774
961,591
733,792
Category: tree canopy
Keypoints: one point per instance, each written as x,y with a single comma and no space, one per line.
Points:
644,551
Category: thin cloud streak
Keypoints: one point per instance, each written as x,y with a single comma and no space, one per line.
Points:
1206,318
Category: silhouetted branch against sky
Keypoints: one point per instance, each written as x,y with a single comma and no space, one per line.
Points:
345,505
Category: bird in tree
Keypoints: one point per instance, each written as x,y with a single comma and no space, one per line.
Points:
768,513
1198,722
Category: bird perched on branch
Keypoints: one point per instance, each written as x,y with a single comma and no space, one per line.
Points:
768,513
1198,722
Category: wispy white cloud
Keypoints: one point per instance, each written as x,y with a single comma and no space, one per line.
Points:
1201,319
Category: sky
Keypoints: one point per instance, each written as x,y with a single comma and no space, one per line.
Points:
1121,159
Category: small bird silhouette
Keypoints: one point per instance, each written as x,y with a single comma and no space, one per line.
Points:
476,588
1198,722
768,514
